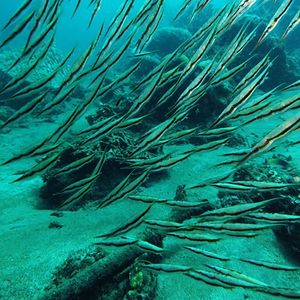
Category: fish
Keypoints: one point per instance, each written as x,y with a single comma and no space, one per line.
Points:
183,8
274,217
32,46
224,280
147,199
293,85
148,247
275,20
270,265
217,131
18,29
294,22
230,73
195,59
63,128
114,34
215,19
143,54
95,11
25,109
128,241
57,100
237,10
253,185
145,163
77,185
187,205
167,268
136,221
76,7
252,283
156,134
18,78
128,188
283,106
206,147
198,8
252,73
117,242
242,97
168,163
116,17
111,63
132,122
178,135
41,83
73,116
27,152
36,24
104,130
46,149
96,126
76,69
40,167
172,203
163,224
235,274
154,22
238,209
207,253
277,133
20,10
77,196
229,227
259,103
82,187
52,12
145,96
282,292
77,164
193,87
232,50
151,33
207,277
117,190
195,237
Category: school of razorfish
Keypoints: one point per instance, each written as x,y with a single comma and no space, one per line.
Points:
134,30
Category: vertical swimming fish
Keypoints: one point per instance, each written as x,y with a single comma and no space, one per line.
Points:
279,132
21,9
76,7
242,97
18,29
275,19
95,11
295,21
17,79
36,24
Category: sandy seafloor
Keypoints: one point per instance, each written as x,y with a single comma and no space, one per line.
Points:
30,251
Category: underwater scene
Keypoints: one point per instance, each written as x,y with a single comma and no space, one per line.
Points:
150,149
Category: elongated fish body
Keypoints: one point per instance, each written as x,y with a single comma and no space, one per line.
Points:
295,21
142,106
274,21
21,9
18,29
238,209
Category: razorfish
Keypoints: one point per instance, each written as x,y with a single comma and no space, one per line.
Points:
275,19
295,21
